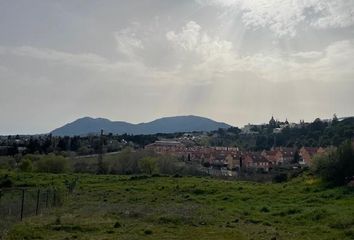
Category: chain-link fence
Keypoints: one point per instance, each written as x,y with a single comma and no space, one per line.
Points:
18,203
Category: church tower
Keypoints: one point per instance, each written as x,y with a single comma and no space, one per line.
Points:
272,122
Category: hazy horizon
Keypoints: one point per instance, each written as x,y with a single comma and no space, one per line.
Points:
147,121
233,61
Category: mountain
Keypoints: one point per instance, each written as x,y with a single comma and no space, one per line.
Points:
87,125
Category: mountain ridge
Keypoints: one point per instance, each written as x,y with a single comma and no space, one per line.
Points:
187,123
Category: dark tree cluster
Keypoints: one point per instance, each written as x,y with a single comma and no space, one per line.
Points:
316,134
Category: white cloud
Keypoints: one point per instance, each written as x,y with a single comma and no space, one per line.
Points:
83,59
339,13
89,61
188,38
204,59
307,55
283,17
335,63
216,59
128,43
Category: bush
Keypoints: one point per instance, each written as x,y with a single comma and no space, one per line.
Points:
26,165
336,167
102,166
280,177
6,182
7,162
264,209
82,167
166,165
52,164
148,232
148,165
32,157
117,225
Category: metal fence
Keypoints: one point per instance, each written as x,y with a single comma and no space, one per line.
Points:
18,203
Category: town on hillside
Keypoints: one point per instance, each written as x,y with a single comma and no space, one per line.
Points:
231,160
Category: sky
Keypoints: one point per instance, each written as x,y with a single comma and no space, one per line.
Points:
236,61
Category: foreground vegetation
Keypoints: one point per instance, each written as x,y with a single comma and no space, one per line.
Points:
125,162
161,207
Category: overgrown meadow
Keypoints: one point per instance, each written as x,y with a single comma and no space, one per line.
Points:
174,207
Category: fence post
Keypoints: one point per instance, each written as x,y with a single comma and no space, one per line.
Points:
37,206
22,203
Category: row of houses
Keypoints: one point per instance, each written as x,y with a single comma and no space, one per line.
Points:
234,159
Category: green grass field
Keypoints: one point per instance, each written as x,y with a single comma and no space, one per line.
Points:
121,207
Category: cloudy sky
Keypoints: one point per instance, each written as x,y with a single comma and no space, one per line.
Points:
237,61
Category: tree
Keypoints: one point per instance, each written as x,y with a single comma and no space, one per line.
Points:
81,167
296,157
75,144
52,164
317,125
33,146
26,165
47,145
335,119
166,164
102,167
148,165
62,145
336,167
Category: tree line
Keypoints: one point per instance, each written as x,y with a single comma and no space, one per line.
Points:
126,162
316,134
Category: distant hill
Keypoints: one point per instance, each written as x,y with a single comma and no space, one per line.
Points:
87,125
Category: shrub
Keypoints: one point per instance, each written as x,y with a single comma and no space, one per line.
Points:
6,182
166,165
84,150
343,223
139,177
198,191
26,165
349,233
6,162
82,167
148,232
318,214
117,225
147,165
264,209
336,167
102,166
32,157
280,177
52,164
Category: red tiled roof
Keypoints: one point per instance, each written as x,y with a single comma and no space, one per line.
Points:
311,150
